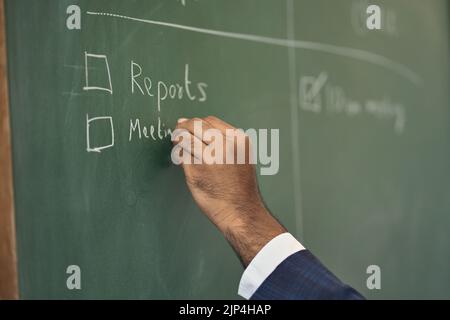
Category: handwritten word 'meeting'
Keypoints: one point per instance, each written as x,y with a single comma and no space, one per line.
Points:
164,90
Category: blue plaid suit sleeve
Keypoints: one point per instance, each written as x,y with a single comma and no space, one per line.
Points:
302,277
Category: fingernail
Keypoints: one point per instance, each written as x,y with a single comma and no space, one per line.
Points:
181,120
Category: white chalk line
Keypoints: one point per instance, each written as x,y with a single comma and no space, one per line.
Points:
294,112
357,54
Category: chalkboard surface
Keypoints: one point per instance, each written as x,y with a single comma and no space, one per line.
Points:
364,174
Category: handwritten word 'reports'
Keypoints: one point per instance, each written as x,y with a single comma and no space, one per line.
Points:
164,91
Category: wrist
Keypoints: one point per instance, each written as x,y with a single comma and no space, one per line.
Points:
251,231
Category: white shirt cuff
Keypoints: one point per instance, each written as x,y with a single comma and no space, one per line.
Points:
265,262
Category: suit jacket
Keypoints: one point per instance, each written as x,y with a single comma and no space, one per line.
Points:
302,277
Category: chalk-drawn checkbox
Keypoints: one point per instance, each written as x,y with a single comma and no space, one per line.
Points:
101,135
98,76
310,92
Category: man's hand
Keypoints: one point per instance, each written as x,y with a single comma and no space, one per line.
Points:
227,193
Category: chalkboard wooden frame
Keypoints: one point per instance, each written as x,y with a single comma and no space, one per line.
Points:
8,260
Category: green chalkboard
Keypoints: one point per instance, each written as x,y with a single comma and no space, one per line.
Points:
364,173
